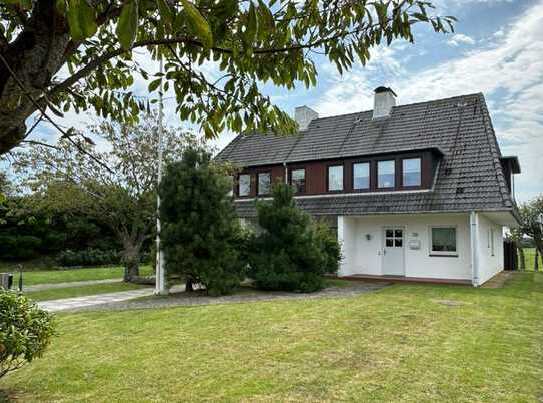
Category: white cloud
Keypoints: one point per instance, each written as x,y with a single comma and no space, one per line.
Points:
510,74
459,39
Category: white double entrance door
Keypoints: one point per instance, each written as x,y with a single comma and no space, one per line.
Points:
393,251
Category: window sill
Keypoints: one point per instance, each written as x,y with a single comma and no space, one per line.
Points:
442,255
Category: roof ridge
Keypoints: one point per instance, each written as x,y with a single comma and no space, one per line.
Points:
403,105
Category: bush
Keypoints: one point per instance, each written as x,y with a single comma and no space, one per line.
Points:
25,331
292,253
19,247
200,231
88,257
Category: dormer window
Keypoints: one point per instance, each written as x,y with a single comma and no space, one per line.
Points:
386,173
411,168
335,178
361,176
297,180
264,183
244,185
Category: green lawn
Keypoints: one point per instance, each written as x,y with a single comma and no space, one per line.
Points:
69,275
71,292
404,343
529,258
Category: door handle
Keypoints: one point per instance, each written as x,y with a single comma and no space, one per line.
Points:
384,251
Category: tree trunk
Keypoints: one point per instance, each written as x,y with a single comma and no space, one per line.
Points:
536,260
189,285
521,257
131,261
33,58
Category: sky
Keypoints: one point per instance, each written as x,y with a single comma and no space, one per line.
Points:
497,49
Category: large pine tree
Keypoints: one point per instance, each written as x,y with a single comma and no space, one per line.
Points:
200,227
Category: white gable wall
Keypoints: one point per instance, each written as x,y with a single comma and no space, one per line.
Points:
363,256
489,263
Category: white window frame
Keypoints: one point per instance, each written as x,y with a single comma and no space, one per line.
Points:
431,241
369,174
419,172
239,186
492,242
342,183
292,180
258,187
393,174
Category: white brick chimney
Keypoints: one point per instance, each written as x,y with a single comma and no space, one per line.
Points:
385,100
303,115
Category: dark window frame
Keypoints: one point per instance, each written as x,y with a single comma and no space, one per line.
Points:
370,176
421,159
267,172
298,168
331,165
389,188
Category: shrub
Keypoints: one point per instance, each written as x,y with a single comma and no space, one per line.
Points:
19,247
25,331
292,253
200,231
88,257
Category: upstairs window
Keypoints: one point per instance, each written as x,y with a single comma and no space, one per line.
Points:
244,185
264,183
297,180
411,172
443,241
335,178
386,173
361,176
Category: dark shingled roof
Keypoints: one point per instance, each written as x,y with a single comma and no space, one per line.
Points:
469,177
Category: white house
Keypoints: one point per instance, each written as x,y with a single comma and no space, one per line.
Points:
416,192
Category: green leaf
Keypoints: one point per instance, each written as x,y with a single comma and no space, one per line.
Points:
153,85
198,24
252,24
81,19
127,26
165,12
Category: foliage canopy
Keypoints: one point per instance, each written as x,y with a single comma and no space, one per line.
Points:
57,55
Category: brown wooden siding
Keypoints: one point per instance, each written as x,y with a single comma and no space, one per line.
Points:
316,173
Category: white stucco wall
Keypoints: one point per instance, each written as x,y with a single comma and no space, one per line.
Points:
489,263
363,256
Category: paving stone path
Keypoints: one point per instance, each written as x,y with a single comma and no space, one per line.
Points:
42,287
91,300
179,298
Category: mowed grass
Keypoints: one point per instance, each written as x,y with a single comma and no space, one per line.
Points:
404,343
70,275
72,292
529,259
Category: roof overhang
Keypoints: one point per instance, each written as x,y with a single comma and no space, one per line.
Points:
506,218
512,160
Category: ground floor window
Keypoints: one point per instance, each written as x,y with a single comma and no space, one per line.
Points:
443,241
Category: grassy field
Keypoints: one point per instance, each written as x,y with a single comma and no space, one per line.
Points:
529,258
404,343
69,275
72,292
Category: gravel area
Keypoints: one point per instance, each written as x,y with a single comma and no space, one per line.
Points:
245,295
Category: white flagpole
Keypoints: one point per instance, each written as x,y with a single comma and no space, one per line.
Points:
160,282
